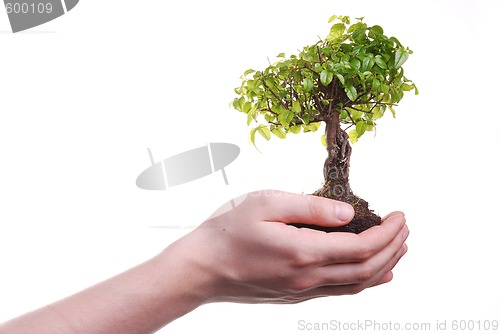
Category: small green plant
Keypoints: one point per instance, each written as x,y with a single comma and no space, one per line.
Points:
348,81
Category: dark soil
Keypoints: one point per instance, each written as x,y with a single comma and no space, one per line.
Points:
364,218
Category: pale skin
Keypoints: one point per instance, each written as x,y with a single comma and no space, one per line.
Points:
246,255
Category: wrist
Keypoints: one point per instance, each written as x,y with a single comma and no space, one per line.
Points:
187,278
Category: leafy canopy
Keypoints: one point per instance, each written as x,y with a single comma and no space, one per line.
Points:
355,73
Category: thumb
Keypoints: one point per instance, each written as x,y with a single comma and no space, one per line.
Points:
310,210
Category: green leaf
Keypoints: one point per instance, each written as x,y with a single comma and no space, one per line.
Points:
269,83
356,114
353,136
355,63
246,107
286,117
264,131
236,104
281,55
278,132
384,88
341,78
315,126
355,27
250,118
326,77
395,40
380,62
377,30
336,31
311,127
359,33
351,92
343,115
252,136
345,19
332,18
247,72
318,67
406,87
295,129
241,101
393,111
400,58
323,140
296,108
377,113
308,84
361,128
368,63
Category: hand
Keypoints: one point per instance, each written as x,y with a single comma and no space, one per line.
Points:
246,254
252,255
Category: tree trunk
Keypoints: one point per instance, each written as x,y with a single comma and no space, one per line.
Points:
336,186
336,167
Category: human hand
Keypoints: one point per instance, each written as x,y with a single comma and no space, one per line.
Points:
247,254
251,255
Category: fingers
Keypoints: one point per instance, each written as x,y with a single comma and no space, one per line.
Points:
386,278
340,247
367,272
305,263
385,275
305,209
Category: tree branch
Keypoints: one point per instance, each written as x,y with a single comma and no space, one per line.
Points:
370,102
365,111
275,96
310,69
270,111
350,116
319,55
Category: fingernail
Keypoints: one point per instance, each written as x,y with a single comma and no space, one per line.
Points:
345,212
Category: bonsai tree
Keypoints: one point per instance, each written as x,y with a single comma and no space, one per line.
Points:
348,81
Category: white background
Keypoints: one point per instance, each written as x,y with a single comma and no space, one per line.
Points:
84,96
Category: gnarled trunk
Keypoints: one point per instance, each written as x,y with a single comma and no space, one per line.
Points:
336,167
336,173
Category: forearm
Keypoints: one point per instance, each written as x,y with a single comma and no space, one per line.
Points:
140,300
